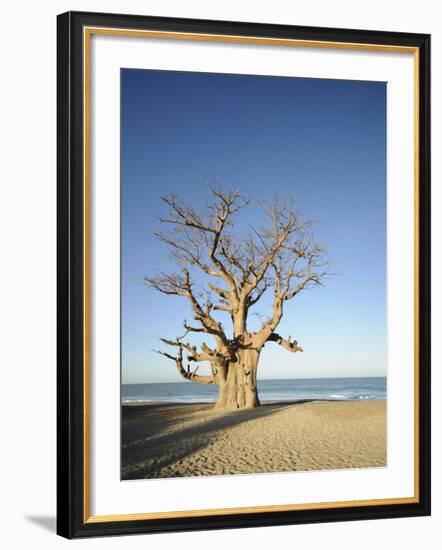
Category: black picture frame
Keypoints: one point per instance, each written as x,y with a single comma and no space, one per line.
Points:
71,517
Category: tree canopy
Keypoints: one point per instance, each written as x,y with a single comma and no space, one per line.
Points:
281,257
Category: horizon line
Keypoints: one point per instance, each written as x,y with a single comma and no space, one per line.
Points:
262,379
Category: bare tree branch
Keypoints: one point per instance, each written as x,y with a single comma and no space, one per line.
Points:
194,229
287,344
180,285
187,373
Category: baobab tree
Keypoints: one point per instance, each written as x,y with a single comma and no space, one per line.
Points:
281,257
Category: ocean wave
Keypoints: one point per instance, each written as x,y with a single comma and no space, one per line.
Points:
170,400
345,389
138,400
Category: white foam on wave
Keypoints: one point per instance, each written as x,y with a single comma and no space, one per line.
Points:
137,400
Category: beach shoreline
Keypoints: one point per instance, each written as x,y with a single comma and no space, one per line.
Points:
211,404
166,440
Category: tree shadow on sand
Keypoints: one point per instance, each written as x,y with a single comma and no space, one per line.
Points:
151,442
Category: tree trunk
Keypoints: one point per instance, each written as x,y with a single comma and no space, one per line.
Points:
237,385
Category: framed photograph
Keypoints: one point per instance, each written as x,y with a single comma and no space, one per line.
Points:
243,274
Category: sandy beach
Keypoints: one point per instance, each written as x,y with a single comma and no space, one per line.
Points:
193,440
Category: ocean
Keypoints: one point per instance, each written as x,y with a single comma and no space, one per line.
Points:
337,389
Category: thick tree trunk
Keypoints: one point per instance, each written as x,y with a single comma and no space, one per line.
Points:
237,385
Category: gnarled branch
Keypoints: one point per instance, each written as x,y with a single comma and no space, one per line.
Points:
288,344
187,373
180,285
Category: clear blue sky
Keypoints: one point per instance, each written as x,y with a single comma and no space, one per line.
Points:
323,142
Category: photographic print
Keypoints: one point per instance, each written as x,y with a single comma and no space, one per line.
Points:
253,274
243,274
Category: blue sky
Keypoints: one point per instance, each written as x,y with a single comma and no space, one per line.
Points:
322,142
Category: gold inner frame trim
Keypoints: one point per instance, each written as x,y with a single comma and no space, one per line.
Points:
87,34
